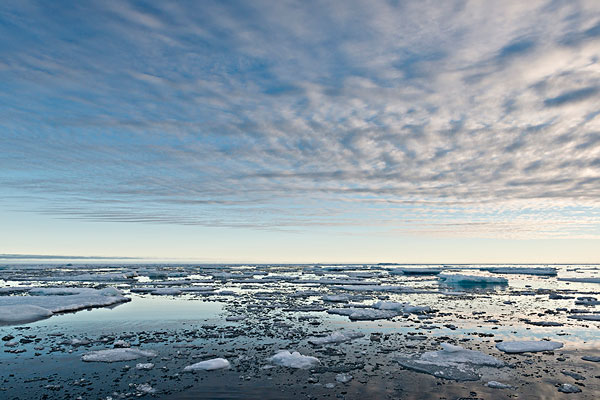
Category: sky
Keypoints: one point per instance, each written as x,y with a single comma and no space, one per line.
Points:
301,131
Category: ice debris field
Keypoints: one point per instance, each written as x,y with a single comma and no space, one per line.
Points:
314,331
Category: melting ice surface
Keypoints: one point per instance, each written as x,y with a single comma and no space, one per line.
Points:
257,331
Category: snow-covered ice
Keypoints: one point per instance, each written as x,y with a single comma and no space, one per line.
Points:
549,271
22,313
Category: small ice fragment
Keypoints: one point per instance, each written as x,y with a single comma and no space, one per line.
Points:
208,365
335,337
528,346
497,385
467,280
591,358
121,344
235,318
340,298
293,360
568,388
144,366
329,385
145,388
343,378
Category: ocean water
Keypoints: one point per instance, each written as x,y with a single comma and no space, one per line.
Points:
181,312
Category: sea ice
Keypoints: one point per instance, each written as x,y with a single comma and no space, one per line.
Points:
339,298
335,337
568,388
497,385
415,271
293,360
115,355
22,313
208,365
528,346
466,280
582,280
363,314
401,307
452,362
55,300
144,366
343,378
523,271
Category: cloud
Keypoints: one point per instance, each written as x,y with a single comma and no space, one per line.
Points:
274,116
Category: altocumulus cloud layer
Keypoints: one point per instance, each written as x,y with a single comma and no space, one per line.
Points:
451,118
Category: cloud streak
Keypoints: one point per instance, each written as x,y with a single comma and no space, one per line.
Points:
270,115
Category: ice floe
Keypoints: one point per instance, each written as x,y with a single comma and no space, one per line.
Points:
293,360
116,355
581,280
452,362
498,385
528,346
401,307
415,271
549,271
208,365
55,300
363,314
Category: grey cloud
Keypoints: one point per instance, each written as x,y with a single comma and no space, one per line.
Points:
572,96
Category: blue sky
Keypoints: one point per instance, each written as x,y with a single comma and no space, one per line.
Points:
409,131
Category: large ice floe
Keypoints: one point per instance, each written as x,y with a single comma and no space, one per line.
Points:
208,365
452,362
528,346
116,355
471,280
39,303
293,360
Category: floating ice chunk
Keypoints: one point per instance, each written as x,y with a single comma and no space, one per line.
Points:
115,355
107,277
145,388
375,288
528,346
497,385
585,317
582,280
208,365
568,388
235,318
22,313
336,337
591,358
415,271
339,298
293,360
166,292
451,354
343,378
121,344
452,362
363,314
144,366
402,307
549,271
466,280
